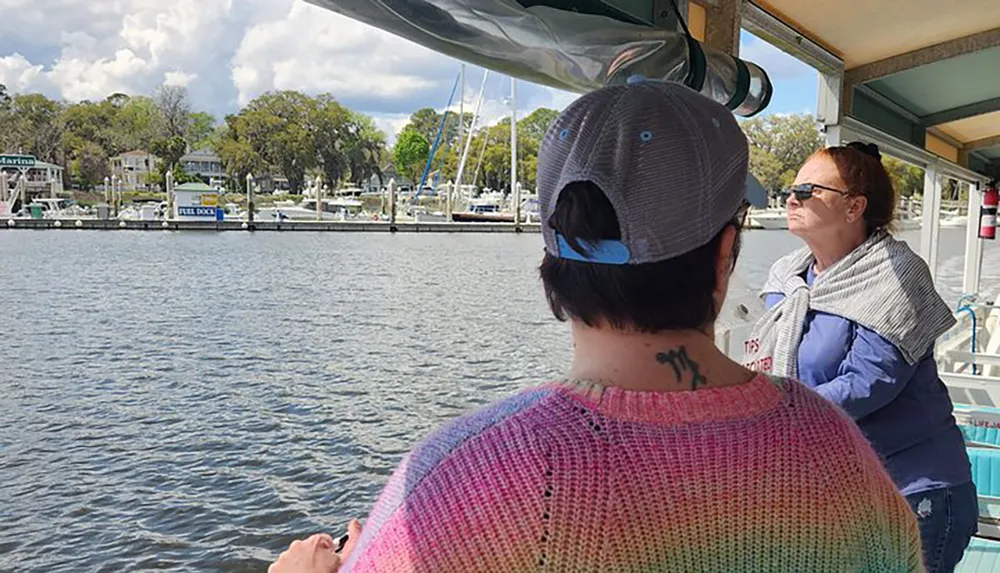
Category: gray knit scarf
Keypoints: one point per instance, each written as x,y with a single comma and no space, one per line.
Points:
881,285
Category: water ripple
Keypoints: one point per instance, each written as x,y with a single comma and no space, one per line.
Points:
196,401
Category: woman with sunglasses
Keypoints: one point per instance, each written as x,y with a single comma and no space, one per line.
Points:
854,315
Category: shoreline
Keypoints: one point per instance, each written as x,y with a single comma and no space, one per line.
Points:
311,226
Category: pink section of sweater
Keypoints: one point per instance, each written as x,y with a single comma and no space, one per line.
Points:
764,476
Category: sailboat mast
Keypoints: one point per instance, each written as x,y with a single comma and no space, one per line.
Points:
514,195
468,140
461,109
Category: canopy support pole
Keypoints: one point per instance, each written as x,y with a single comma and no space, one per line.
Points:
973,244
930,229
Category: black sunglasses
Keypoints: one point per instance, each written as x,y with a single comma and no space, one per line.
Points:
807,190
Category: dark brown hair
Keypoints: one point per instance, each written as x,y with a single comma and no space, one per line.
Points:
860,166
676,294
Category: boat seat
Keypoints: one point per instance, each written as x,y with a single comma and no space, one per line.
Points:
986,472
986,476
979,424
982,556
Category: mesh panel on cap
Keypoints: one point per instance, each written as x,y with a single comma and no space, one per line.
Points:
671,162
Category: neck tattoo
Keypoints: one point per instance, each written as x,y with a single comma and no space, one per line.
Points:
685,369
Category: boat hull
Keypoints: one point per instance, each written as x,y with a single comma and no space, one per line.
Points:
482,217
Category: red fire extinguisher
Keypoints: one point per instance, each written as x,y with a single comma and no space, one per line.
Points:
988,212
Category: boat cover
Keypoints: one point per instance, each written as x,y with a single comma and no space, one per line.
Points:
563,49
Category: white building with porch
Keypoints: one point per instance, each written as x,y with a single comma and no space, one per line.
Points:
24,178
134,168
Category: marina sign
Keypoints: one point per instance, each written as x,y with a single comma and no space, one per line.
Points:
17,160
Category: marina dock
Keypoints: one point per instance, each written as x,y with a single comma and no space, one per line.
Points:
286,226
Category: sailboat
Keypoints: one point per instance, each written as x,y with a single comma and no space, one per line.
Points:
493,207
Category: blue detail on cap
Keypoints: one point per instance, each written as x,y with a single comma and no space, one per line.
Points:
564,134
601,252
646,135
636,79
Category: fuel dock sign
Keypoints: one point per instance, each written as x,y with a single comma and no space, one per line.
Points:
196,202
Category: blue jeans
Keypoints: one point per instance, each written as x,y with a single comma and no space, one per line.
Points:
948,519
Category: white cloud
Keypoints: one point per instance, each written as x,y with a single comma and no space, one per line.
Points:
344,57
229,51
79,78
180,79
18,74
89,50
391,124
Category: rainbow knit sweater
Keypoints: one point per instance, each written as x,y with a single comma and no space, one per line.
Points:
765,476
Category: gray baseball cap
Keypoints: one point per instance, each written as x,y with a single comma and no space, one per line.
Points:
672,162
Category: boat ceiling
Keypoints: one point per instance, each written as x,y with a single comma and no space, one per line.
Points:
925,71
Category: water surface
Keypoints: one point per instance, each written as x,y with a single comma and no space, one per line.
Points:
195,401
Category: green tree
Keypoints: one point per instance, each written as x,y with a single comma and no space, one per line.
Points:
907,179
330,129
536,123
768,169
201,128
278,125
36,126
138,123
169,150
89,166
89,122
238,156
364,149
426,122
786,142
410,154
491,154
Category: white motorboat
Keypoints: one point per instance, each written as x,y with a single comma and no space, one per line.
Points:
771,219
336,209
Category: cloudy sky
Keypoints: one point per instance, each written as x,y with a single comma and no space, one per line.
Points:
229,51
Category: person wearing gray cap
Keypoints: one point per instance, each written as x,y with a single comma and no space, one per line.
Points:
656,452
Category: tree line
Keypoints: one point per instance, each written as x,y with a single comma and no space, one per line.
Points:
299,136
83,136
283,133
780,144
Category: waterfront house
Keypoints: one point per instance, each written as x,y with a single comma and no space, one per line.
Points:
204,164
134,169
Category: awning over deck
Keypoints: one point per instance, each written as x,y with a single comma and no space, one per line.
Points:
924,71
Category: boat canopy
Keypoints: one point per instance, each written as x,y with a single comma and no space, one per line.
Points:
922,71
574,45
